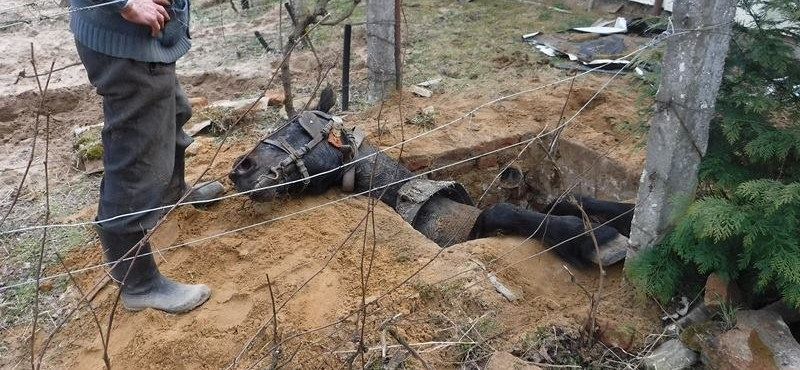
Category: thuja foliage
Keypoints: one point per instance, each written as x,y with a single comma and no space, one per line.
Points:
745,216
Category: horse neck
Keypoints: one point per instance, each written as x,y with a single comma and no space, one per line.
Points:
378,172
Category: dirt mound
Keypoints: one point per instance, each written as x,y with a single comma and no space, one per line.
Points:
236,266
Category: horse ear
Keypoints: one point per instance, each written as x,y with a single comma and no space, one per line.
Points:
327,99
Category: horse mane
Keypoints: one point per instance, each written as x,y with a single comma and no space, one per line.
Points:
327,99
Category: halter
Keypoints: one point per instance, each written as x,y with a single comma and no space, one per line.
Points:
321,127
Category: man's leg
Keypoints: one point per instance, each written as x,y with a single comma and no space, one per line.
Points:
139,144
178,186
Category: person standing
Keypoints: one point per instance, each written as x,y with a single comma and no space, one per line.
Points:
129,49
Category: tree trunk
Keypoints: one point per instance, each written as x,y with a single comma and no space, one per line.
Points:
678,136
380,49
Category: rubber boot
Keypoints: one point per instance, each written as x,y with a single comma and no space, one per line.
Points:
144,286
205,191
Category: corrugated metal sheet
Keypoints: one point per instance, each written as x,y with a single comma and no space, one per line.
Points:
667,3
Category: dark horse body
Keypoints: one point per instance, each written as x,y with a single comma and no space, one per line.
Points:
440,218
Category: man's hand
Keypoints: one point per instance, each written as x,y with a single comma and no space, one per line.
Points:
151,13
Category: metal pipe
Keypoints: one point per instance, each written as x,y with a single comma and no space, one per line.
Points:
346,67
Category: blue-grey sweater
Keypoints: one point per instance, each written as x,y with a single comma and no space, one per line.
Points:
103,30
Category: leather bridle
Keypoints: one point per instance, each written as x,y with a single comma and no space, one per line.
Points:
321,127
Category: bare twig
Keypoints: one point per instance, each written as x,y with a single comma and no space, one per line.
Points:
43,97
554,144
402,340
23,74
347,13
276,351
591,319
33,145
87,301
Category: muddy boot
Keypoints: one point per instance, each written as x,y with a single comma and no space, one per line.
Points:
205,191
144,286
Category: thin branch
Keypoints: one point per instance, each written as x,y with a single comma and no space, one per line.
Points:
276,351
344,15
402,340
43,97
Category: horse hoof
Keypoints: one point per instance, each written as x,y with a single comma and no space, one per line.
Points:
611,251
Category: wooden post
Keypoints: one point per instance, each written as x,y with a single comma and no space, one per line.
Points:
380,49
657,5
678,136
398,59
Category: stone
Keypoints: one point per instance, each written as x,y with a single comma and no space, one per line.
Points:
192,149
194,128
615,334
199,102
789,314
696,335
507,361
760,340
429,110
718,293
430,83
697,314
611,252
737,349
502,289
671,355
774,333
420,91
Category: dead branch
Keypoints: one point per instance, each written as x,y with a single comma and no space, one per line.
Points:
554,144
87,301
15,199
301,22
22,74
402,340
276,351
43,97
595,301
347,13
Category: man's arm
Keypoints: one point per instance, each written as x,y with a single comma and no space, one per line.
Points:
150,13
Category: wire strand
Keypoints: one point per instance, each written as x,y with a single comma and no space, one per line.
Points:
396,145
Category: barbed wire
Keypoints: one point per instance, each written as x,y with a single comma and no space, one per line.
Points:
393,146
526,142
650,44
71,10
436,255
658,39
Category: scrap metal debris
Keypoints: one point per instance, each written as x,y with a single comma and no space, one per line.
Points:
606,44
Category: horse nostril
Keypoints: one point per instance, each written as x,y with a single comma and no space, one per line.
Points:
245,167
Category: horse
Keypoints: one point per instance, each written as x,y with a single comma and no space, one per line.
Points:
313,152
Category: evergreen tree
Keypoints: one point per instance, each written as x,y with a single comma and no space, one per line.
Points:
745,218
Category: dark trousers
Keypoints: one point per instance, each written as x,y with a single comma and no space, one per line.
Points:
143,140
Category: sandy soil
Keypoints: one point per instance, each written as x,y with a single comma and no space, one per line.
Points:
318,281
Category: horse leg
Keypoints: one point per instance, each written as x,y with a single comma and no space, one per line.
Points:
566,234
615,214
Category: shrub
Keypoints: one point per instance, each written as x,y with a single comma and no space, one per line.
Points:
745,218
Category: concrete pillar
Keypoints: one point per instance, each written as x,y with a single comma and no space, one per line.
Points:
678,136
380,49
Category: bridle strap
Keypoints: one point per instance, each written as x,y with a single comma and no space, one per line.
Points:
319,125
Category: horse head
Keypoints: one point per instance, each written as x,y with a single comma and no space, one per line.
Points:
287,161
